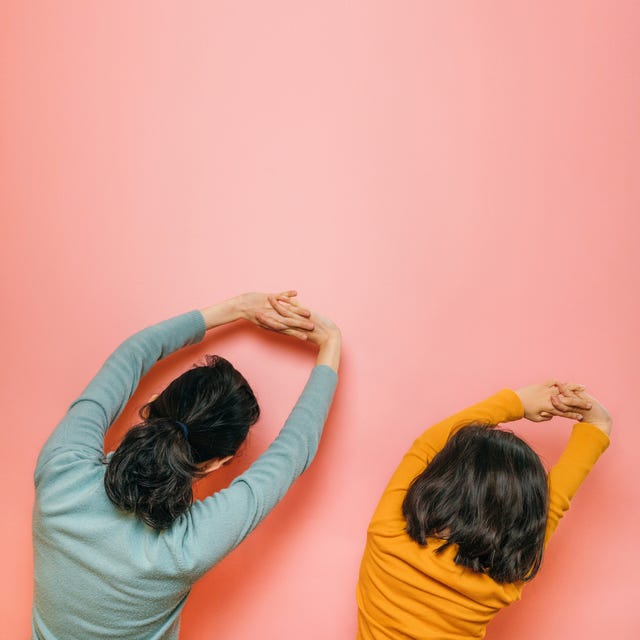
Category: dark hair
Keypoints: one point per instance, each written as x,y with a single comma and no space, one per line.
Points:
486,492
152,471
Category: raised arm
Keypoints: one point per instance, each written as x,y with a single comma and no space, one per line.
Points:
588,441
84,426
532,402
217,524
90,415
504,406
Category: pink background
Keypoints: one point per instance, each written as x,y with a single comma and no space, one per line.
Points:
456,184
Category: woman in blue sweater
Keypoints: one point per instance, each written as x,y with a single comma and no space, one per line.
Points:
118,542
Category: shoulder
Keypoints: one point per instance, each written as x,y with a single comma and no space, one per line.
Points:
72,471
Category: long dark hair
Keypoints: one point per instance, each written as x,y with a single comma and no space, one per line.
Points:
152,471
486,492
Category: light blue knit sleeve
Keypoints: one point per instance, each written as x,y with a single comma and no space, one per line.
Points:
84,426
217,524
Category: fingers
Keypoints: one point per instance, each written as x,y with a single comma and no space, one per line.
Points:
567,386
270,322
274,301
543,416
563,410
301,335
292,322
287,326
289,297
571,399
559,403
570,415
296,308
285,304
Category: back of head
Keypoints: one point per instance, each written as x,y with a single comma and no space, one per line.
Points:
486,492
152,471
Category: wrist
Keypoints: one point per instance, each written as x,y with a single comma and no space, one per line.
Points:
603,425
238,308
333,336
222,313
521,393
330,351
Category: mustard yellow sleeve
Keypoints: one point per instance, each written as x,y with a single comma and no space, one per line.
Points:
586,444
504,406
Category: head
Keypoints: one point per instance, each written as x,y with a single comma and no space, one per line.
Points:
152,472
486,492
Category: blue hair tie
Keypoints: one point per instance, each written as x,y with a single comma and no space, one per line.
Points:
183,426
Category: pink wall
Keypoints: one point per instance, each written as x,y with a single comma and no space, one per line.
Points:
456,184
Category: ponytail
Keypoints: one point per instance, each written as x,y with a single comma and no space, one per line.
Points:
152,472
205,414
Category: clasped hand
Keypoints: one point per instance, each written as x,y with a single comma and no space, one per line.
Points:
282,313
553,398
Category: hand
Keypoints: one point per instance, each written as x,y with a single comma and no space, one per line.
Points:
328,337
324,330
325,334
596,415
538,406
278,312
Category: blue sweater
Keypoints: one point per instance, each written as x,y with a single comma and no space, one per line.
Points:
101,573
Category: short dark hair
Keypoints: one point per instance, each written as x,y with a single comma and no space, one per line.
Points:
152,471
486,491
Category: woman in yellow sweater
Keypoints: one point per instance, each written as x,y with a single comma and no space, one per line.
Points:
462,525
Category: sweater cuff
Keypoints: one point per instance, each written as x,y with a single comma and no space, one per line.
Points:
324,376
197,323
512,404
587,432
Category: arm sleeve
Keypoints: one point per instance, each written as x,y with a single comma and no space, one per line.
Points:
217,524
84,426
504,406
586,444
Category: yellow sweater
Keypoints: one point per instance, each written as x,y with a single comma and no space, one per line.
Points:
406,590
